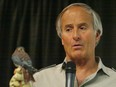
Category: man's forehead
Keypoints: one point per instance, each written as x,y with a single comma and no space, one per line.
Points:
75,9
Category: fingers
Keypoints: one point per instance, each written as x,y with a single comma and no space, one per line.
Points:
17,79
14,83
18,70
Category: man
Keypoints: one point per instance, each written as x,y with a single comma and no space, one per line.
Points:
80,29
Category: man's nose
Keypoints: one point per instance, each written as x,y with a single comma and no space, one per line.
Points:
76,35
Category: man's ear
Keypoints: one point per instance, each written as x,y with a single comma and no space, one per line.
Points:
62,41
98,36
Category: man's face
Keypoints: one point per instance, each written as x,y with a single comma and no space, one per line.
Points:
78,36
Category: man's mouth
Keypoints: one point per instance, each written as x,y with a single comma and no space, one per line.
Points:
77,46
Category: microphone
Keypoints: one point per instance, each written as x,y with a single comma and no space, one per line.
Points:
70,74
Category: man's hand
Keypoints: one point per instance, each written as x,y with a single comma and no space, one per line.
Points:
17,79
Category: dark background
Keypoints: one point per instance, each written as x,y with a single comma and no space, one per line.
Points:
31,23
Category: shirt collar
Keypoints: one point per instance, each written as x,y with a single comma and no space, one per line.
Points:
64,64
101,66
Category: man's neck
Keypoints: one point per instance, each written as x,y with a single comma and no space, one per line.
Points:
85,68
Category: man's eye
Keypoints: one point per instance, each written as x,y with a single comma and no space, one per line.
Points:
68,29
83,27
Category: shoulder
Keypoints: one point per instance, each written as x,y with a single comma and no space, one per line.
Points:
45,76
48,70
111,71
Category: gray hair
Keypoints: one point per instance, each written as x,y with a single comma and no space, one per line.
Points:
97,25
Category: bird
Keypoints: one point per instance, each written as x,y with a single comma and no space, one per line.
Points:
22,59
